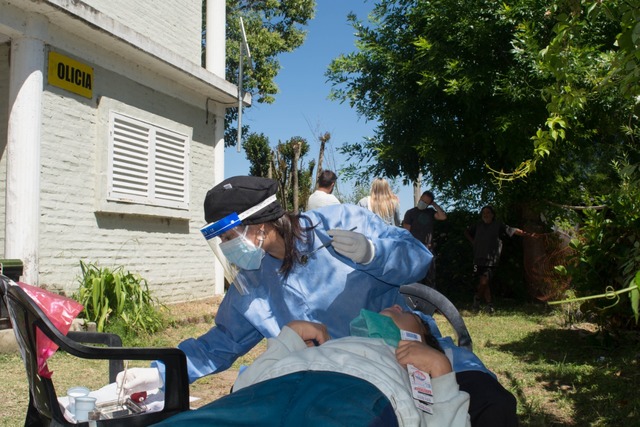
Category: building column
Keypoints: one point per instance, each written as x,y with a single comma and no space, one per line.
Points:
216,37
23,147
215,62
215,45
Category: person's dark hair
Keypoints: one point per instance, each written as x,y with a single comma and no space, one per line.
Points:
290,227
431,341
427,336
326,178
490,208
428,193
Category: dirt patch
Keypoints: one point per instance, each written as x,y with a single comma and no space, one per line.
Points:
195,318
194,311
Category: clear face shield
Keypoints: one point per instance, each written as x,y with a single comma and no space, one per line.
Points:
227,238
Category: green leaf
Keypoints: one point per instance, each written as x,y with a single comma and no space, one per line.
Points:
561,269
103,316
96,295
120,294
635,297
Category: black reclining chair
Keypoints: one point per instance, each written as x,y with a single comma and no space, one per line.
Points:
428,300
44,408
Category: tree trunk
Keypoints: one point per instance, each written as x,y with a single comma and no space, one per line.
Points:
294,181
417,189
279,174
541,254
323,141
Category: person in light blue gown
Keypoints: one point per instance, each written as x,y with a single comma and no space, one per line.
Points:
322,266
279,276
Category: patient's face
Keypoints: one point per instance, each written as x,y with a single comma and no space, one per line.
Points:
404,320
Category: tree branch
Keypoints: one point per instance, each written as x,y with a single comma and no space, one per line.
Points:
576,208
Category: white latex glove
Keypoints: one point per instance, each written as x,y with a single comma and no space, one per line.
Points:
139,379
352,245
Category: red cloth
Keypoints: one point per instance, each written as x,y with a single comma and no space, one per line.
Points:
61,311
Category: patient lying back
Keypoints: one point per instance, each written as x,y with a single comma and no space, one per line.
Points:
306,347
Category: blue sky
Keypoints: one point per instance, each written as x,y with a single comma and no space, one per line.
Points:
301,107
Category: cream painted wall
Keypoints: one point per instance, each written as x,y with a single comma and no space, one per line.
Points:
169,253
175,24
4,95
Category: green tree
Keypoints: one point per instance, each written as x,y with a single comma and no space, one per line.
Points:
478,94
272,28
583,78
456,91
286,164
289,159
359,190
606,261
258,152
590,64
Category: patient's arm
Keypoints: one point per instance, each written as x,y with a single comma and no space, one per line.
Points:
297,335
450,404
311,333
423,357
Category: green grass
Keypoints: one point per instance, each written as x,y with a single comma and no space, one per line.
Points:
561,376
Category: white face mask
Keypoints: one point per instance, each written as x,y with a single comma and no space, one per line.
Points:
422,205
243,253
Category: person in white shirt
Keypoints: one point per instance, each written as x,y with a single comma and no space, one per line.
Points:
323,195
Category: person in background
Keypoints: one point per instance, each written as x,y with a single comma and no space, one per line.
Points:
323,196
382,202
486,237
420,222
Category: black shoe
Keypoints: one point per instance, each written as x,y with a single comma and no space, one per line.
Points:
490,309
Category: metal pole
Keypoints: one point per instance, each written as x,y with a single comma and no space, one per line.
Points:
240,100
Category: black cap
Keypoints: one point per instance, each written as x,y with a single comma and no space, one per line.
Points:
239,193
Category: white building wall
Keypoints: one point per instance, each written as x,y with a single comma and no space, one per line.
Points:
4,95
175,24
170,253
166,248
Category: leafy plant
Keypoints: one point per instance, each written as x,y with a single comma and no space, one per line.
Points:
115,296
272,28
607,246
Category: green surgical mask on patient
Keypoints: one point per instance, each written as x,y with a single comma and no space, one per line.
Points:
375,325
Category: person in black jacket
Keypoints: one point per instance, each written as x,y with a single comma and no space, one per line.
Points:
486,238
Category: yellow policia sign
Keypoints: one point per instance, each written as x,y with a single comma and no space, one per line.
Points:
70,75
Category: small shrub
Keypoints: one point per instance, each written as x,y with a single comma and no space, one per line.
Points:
118,300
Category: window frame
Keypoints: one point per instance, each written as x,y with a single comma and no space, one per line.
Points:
103,204
141,166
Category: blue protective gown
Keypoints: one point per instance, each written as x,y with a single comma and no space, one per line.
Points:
329,289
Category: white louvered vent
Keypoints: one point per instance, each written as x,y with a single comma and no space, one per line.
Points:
147,164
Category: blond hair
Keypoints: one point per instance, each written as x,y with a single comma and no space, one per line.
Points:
382,200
